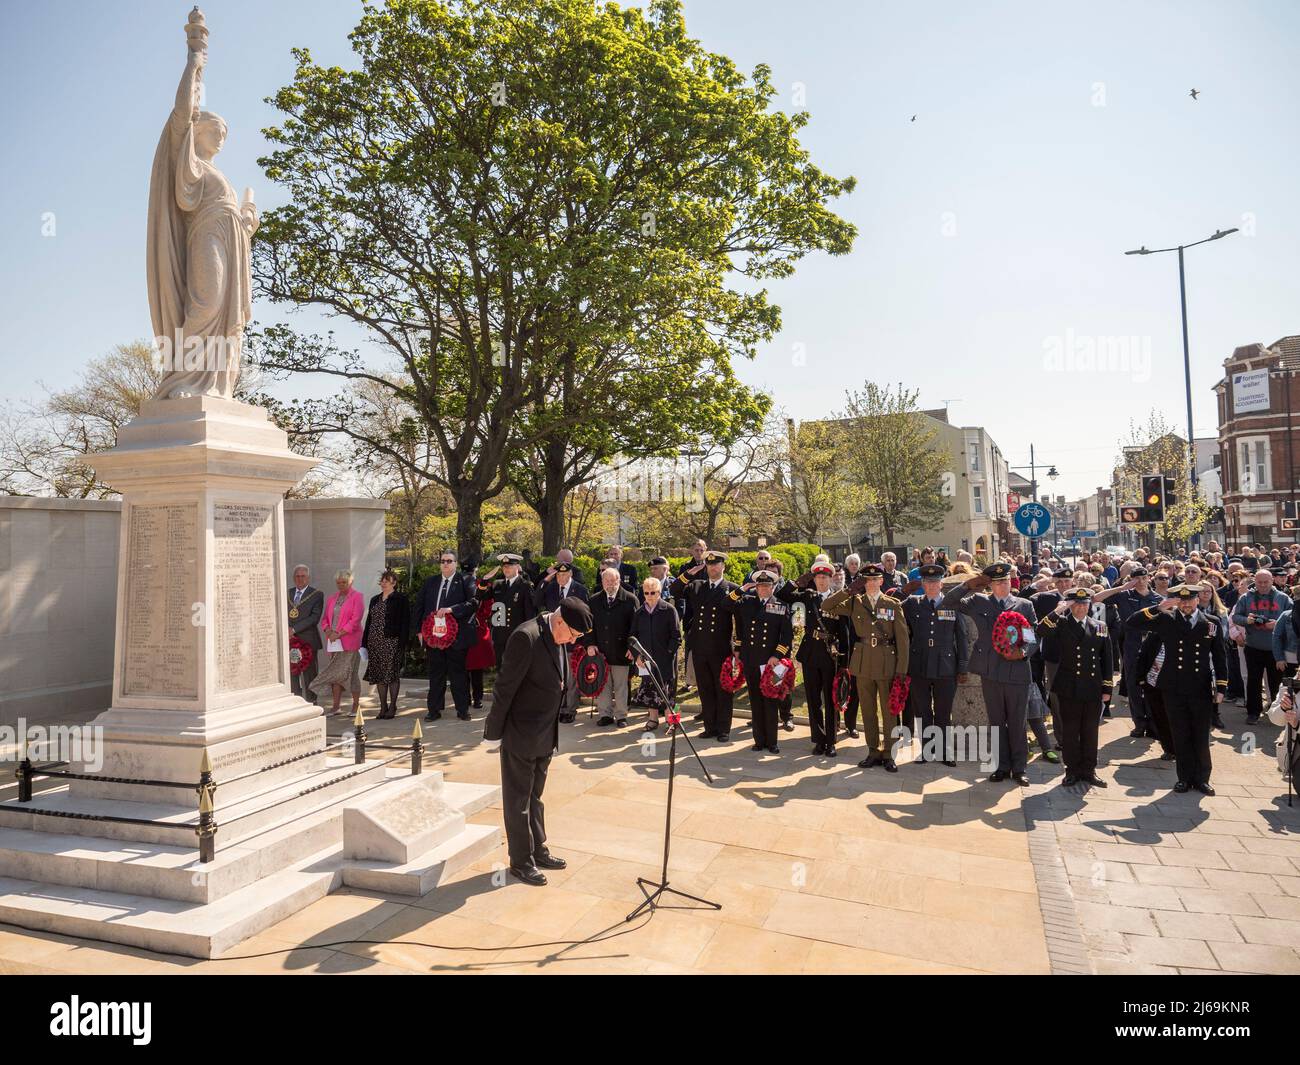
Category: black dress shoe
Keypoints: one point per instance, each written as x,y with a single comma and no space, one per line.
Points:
950,763
788,725
724,737
1070,780
1020,779
998,776
568,718
698,717
759,747
890,765
853,734
547,860
707,734
819,749
478,706
830,751
1095,781
1167,756
530,875
606,720
1137,733
774,749
1204,789
620,722
870,761
433,715
464,717
1181,787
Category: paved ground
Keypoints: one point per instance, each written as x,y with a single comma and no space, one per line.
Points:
1183,883
820,867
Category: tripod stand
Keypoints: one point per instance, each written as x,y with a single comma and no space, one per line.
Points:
674,719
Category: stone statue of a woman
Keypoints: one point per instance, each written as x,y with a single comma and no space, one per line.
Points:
199,266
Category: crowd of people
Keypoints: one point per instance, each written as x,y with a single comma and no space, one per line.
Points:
1176,636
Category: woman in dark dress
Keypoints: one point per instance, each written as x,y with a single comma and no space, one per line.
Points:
388,627
658,629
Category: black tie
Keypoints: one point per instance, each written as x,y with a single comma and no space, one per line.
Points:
442,587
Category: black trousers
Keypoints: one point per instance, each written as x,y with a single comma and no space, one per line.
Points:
500,637
1080,720
1190,717
823,718
1155,704
476,685
930,699
1008,706
1136,691
1260,665
715,700
522,782
762,710
447,666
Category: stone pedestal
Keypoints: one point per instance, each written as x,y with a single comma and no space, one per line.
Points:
201,664
201,650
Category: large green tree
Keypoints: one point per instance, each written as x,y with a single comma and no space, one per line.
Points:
534,207
891,459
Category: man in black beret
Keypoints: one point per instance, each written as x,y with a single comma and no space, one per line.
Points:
524,725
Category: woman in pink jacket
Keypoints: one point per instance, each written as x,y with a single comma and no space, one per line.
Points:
341,629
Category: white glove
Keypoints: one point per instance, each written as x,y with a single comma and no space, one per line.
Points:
491,745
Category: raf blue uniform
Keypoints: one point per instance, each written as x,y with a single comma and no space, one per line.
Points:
937,652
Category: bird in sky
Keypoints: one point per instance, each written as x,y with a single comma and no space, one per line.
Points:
914,118
1194,93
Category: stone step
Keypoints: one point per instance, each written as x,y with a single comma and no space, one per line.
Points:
174,872
205,930
243,818
170,926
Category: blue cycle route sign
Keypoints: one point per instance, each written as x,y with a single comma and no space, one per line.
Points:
1033,520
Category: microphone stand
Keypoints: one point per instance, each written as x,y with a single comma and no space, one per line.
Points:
674,719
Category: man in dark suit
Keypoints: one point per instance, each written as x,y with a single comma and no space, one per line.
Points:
512,600
1080,647
448,594
560,582
709,638
1005,681
524,724
612,609
627,577
766,636
306,605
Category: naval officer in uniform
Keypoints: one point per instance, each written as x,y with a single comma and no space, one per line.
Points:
1079,647
707,594
1193,678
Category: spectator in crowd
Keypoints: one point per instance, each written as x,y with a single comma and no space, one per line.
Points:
657,628
306,605
385,637
342,631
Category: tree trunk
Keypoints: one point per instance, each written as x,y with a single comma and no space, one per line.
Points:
469,526
550,505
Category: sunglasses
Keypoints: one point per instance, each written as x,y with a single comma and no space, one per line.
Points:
448,561
651,595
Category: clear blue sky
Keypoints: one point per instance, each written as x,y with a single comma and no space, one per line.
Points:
992,228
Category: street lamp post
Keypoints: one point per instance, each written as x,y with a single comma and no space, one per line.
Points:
1219,234
1033,489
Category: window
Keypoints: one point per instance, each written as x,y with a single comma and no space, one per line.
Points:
979,499
1254,470
974,456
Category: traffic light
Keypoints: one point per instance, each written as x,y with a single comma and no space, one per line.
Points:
1153,499
1170,498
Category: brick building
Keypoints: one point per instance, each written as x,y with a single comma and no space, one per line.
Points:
1259,404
